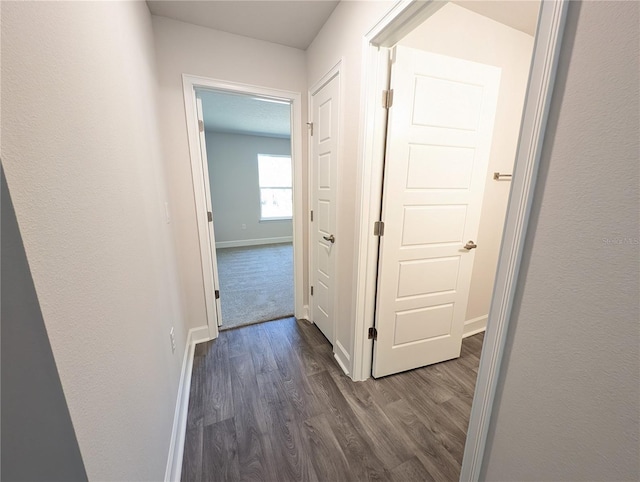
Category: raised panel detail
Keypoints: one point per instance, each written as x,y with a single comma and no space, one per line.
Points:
452,104
324,121
322,297
433,224
439,167
323,216
423,324
324,171
323,259
427,276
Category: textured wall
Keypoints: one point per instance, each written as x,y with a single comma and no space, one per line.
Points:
568,403
80,149
35,419
455,31
182,48
235,195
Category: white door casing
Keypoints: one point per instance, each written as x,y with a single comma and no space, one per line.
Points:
438,142
207,193
325,102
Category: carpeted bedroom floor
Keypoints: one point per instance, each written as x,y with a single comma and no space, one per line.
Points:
256,283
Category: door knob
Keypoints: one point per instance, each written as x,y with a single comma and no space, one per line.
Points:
331,239
470,245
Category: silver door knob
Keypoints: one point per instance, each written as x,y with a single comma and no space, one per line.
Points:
331,239
470,245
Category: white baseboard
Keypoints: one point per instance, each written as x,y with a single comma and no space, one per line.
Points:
253,242
342,356
475,325
176,446
305,313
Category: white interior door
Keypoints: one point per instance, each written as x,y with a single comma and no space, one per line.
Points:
324,148
438,141
207,191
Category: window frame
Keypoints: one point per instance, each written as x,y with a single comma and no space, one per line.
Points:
262,218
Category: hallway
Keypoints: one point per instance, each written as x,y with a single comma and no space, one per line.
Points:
268,402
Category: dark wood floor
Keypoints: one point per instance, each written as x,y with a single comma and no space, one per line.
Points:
268,402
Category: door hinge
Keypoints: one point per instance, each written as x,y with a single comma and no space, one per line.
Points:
312,216
200,125
387,98
209,216
312,291
217,292
310,126
373,334
378,228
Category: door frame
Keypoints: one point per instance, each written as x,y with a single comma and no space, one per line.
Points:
335,71
400,20
200,172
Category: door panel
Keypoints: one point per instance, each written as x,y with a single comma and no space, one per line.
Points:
207,190
324,144
438,141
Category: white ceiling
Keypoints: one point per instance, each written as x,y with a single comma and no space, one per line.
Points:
293,23
519,14
244,114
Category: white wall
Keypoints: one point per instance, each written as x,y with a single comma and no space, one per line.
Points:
235,193
81,154
184,48
341,38
461,33
568,399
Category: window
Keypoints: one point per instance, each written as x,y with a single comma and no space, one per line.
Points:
274,179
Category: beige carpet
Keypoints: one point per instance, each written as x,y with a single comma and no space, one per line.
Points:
256,283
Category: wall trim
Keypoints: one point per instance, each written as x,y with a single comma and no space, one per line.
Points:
253,242
176,445
341,363
475,326
305,313
546,51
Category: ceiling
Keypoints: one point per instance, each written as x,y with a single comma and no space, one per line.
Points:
519,14
293,23
245,114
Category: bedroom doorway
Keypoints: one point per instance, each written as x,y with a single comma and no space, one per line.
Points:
247,144
248,162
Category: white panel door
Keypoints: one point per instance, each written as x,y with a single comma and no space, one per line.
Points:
207,190
438,141
324,146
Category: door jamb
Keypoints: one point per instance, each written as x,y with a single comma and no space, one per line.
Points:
401,19
199,170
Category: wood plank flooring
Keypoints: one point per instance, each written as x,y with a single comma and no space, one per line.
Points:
268,402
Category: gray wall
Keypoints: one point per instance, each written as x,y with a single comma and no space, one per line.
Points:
38,440
233,178
568,398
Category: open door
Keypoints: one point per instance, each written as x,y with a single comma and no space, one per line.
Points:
207,192
439,133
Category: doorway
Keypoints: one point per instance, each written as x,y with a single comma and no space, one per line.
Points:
248,153
398,23
457,85
247,183
325,110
